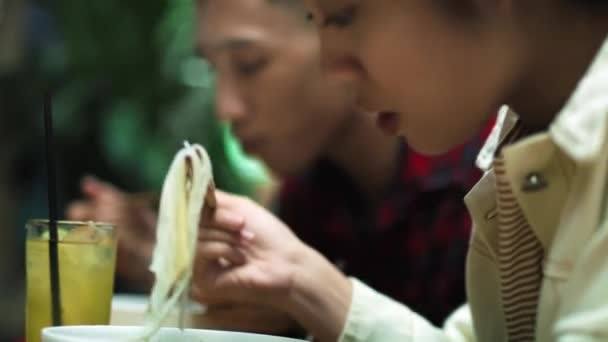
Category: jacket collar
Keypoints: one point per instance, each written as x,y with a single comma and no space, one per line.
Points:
579,129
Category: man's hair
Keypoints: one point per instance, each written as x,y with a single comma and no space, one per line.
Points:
296,7
291,4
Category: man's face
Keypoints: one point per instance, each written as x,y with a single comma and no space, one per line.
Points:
269,82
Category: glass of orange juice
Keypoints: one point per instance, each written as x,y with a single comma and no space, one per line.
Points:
87,257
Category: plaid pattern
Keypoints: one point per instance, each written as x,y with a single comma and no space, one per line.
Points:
411,245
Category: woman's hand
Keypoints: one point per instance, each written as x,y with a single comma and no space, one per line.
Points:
248,256
263,252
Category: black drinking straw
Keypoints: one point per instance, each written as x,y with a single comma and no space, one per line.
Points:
52,198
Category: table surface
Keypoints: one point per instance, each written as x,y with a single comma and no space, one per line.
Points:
130,310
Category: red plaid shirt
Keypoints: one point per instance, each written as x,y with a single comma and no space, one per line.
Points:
411,245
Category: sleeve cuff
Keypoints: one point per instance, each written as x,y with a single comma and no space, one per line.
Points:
372,317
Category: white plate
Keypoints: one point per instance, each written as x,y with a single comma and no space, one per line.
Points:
118,334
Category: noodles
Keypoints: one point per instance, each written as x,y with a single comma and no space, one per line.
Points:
183,197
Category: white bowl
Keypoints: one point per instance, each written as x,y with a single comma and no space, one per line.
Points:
126,334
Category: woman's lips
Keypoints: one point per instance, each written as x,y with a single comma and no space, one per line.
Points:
388,122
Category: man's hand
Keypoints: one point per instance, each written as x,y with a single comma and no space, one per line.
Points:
135,221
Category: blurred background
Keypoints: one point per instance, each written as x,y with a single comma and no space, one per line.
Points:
128,91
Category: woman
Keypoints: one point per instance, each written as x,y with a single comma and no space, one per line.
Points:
433,71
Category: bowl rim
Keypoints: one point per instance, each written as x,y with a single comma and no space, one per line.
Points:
53,331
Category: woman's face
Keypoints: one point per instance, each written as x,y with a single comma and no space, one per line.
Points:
430,73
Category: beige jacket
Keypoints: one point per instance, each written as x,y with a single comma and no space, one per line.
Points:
559,179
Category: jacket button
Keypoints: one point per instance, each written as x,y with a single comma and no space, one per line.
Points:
534,182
